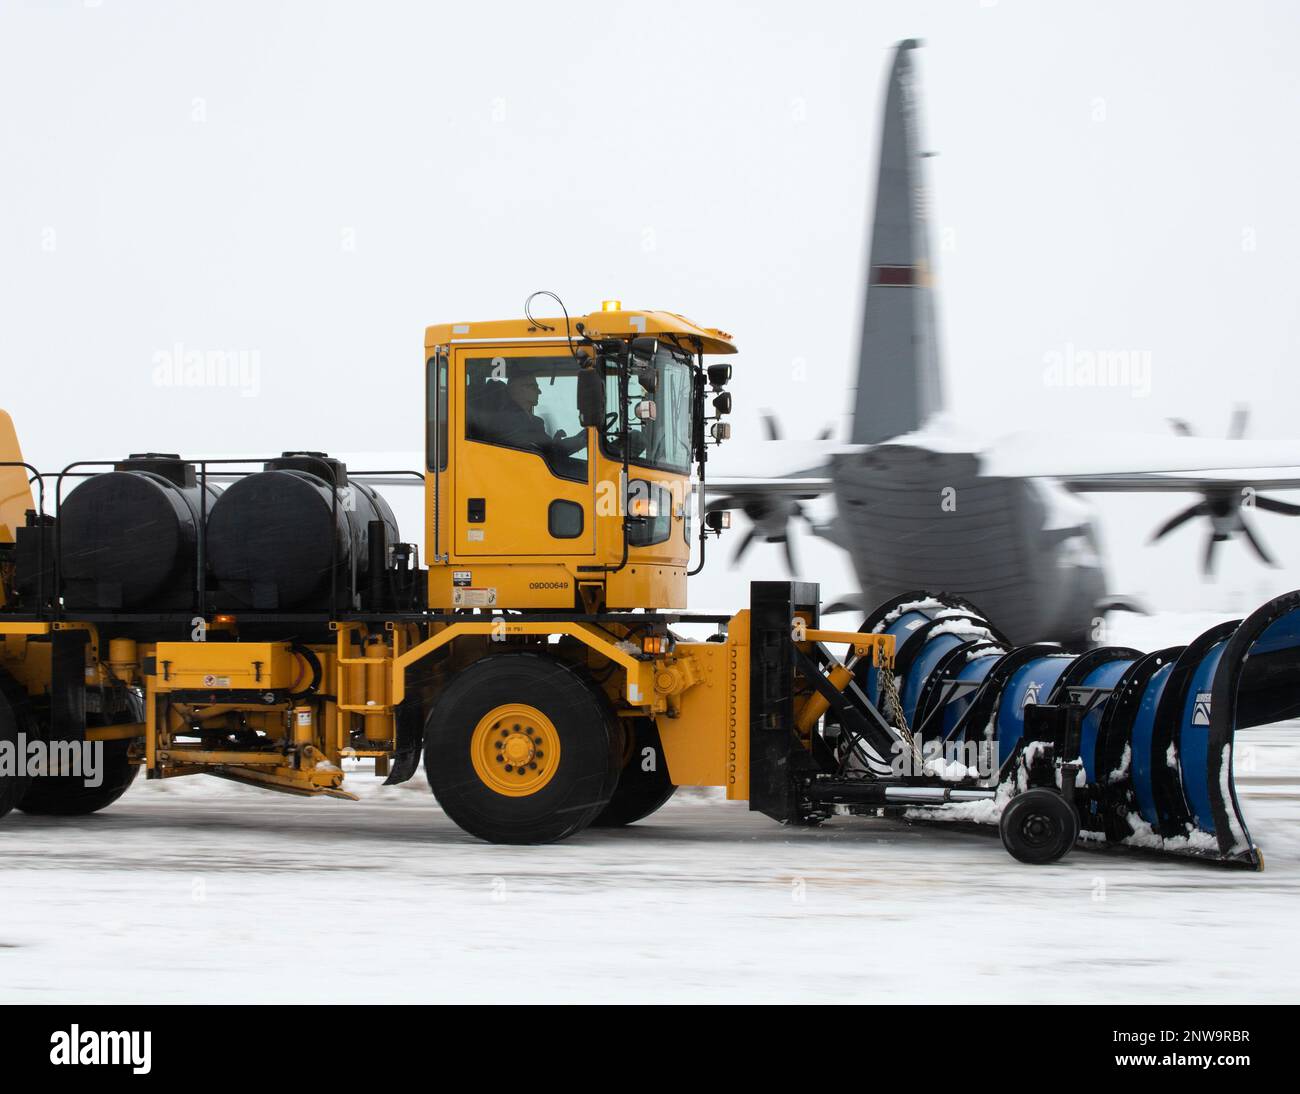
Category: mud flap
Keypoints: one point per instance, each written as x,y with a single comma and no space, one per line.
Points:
410,742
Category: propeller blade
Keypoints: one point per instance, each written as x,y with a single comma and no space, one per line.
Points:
1180,426
1272,505
1207,563
743,546
1237,424
1255,544
1181,517
772,426
790,560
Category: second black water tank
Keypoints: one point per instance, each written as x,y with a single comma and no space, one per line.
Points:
272,535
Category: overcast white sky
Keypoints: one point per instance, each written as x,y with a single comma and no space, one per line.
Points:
316,182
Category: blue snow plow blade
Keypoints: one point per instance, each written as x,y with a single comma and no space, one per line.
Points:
1154,731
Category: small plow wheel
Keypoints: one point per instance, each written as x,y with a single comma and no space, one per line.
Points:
1039,826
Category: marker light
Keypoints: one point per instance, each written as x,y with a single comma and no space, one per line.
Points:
643,507
611,305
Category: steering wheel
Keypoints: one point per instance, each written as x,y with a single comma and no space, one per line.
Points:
610,419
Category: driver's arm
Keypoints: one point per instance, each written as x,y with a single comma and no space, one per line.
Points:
567,446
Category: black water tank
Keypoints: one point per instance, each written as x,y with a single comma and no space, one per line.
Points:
271,534
128,538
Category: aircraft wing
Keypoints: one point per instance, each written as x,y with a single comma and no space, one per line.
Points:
731,489
1186,483
1134,463
774,468
1064,456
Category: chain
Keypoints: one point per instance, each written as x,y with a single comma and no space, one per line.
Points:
893,710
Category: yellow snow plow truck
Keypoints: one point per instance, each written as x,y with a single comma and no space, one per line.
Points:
262,620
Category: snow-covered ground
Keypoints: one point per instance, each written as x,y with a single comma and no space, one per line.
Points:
201,890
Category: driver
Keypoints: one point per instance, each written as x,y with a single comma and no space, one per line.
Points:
520,425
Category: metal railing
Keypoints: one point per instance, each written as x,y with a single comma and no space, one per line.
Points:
50,602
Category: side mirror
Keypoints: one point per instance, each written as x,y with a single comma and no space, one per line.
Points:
647,378
591,398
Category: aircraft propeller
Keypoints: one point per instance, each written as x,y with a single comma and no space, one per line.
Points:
1224,507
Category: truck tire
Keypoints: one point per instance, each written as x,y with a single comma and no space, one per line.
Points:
639,791
15,722
69,796
522,748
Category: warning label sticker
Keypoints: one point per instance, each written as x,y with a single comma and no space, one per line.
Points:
1201,710
474,598
462,577
216,681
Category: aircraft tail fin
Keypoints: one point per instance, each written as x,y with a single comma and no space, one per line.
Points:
898,384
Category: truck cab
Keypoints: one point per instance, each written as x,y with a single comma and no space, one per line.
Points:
559,458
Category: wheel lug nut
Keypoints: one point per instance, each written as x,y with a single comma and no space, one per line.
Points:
500,759
533,766
510,767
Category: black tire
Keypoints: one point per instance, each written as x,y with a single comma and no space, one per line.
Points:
639,791
68,795
15,723
1039,826
590,745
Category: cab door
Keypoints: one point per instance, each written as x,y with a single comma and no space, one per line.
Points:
523,468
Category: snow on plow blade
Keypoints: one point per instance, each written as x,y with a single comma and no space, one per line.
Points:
1155,732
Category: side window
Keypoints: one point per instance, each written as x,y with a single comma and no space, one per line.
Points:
528,403
435,432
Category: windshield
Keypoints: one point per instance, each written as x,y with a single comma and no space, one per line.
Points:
663,441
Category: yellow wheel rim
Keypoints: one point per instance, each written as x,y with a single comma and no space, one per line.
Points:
515,749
